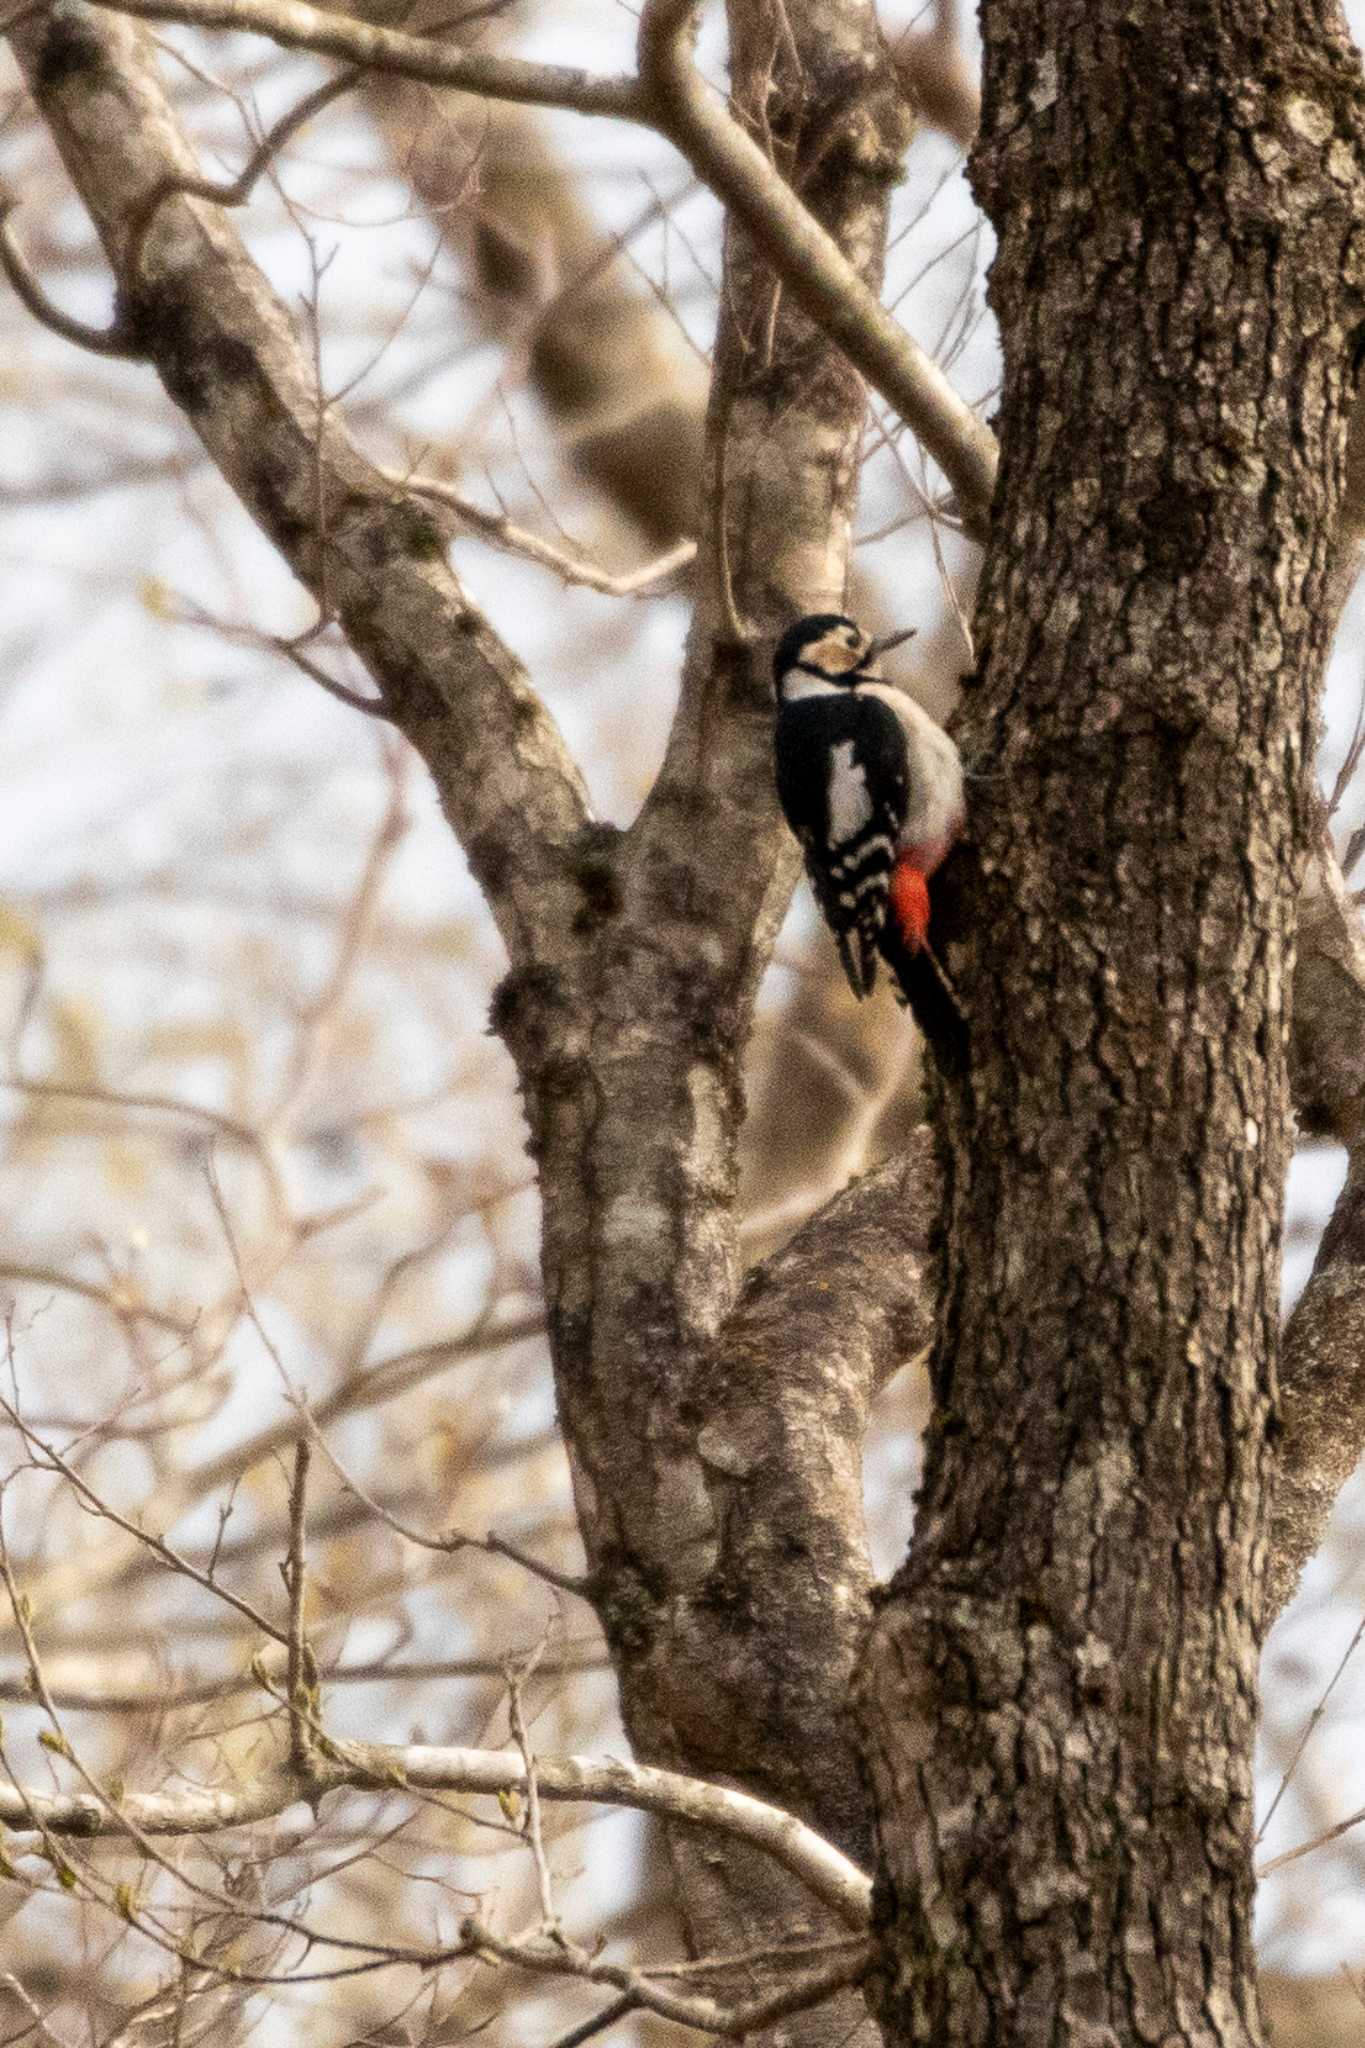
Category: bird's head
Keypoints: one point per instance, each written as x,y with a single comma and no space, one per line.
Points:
821,652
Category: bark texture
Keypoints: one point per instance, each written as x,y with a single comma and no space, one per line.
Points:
1058,1755
1058,1697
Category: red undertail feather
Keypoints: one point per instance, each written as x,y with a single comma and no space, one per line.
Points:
910,902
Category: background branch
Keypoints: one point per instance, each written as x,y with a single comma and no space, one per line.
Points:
822,1868
671,96
224,348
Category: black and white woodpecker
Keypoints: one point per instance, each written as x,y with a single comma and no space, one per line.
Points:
872,787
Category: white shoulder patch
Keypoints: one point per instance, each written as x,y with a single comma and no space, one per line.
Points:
850,806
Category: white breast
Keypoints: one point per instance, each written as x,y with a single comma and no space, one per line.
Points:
936,807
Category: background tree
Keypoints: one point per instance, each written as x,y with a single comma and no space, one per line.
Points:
236,1546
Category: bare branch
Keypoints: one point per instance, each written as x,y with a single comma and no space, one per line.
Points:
190,1810
883,1311
301,1674
231,1129
239,189
532,1830
117,340
164,1698
1327,1046
118,1298
619,2009
451,1541
809,262
296,26
518,540
47,1458
1322,1386
672,97
1320,1841
708,2015
226,351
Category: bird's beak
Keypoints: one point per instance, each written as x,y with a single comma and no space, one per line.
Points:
890,640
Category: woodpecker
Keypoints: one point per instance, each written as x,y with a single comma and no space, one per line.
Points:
872,787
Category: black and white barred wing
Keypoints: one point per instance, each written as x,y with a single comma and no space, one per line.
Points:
843,782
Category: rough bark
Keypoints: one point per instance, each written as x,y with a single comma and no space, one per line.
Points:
1058,1696
721,1498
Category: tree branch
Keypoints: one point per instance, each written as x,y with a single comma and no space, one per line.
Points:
809,261
115,340
669,1795
296,26
559,1958
877,1234
1322,1382
671,96
374,557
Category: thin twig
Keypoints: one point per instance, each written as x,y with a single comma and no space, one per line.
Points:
228,1127
710,2015
671,96
355,924
532,1832
373,707
301,1688
1332,1834
451,1542
167,1698
1313,1719
519,540
115,340
239,189
47,1457
117,1299
619,2009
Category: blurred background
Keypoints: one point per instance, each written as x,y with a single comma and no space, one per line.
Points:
258,1146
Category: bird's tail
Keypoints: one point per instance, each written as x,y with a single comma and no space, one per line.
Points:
923,985
858,952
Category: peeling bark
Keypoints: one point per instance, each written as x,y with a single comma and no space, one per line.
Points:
1058,1697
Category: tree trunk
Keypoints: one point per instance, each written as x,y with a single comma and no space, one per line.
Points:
719,1502
1059,1695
